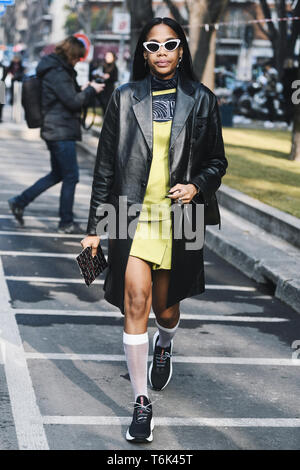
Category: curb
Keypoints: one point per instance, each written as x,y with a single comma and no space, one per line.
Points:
264,263
270,219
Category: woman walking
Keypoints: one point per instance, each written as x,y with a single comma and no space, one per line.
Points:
62,102
161,136
110,77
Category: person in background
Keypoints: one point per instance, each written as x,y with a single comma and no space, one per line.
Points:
62,102
289,76
3,73
110,77
17,71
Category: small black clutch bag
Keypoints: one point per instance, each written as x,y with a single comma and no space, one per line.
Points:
91,267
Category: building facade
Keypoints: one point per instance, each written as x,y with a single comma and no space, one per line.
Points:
40,23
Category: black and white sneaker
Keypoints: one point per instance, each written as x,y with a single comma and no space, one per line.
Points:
160,370
16,210
142,424
72,228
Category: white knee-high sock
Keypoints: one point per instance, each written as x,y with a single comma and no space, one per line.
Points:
136,349
165,334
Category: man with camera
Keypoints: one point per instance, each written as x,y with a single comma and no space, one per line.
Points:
62,102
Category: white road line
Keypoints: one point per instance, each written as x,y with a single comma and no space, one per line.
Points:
259,361
42,205
55,280
183,316
40,234
79,281
43,255
33,175
256,297
27,418
225,287
167,421
51,195
33,217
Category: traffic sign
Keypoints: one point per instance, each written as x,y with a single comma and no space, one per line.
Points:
7,2
2,9
121,23
87,43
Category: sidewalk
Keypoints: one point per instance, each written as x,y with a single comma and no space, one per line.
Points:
266,248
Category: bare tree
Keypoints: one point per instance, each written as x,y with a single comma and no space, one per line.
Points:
177,14
295,152
83,14
282,36
141,12
202,42
283,39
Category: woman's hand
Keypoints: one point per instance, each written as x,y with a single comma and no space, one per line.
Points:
98,87
85,86
92,241
184,192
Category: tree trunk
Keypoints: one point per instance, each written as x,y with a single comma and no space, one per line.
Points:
295,152
208,77
202,42
283,43
141,12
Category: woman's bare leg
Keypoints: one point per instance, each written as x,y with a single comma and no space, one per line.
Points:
137,295
166,317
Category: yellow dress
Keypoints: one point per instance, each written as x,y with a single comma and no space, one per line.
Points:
153,237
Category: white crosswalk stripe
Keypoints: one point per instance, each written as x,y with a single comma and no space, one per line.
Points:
168,421
183,316
259,361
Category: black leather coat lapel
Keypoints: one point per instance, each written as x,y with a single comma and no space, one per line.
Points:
184,105
143,109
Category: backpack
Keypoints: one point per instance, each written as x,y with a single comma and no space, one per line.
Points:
31,101
32,104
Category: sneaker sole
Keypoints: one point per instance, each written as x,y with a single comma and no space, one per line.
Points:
151,365
141,439
20,221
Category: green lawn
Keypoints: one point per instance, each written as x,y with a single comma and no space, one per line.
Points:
258,165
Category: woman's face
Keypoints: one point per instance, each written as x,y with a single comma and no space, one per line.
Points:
163,63
109,58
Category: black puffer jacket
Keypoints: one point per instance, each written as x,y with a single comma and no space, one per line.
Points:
62,99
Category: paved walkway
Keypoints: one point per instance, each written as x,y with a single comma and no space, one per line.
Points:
64,381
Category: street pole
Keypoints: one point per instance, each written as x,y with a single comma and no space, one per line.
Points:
121,61
84,14
87,18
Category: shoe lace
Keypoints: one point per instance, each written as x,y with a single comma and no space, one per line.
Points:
161,358
142,411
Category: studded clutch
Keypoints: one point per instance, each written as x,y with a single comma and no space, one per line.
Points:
91,267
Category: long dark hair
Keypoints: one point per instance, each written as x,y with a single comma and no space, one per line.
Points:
140,70
70,48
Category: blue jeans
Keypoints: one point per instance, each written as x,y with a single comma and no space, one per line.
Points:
64,167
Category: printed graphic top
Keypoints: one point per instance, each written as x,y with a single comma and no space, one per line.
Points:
155,205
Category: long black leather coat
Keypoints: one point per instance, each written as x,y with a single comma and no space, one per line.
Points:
123,164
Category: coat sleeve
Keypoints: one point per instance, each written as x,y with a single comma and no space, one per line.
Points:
105,162
213,165
64,88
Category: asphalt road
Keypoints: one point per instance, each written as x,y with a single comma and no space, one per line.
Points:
63,379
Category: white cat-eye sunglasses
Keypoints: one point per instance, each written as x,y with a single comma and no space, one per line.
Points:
153,46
